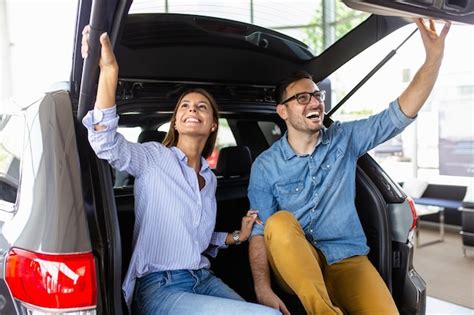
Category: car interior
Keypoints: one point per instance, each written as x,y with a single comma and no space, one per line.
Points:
253,133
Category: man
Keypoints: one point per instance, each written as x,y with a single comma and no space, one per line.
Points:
316,247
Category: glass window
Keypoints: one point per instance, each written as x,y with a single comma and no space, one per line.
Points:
130,133
302,20
270,130
11,150
439,145
23,31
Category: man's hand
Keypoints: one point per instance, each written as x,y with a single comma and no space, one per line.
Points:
433,43
270,299
417,92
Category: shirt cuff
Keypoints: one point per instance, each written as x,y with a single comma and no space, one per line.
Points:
104,117
218,239
398,117
257,230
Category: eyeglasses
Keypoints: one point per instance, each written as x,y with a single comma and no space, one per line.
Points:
304,98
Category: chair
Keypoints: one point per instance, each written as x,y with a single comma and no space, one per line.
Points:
234,161
233,170
151,135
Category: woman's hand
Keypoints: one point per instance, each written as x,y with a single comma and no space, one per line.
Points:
108,70
107,58
247,224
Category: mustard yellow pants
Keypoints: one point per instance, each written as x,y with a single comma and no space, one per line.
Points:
351,286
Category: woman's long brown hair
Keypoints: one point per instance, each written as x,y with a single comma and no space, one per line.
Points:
172,136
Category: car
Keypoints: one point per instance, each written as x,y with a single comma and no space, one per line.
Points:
67,217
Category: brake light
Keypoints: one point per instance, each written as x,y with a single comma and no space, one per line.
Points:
52,281
413,213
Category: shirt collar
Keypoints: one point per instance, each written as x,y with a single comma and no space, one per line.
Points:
183,158
288,152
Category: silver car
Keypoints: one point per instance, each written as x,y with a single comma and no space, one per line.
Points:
66,217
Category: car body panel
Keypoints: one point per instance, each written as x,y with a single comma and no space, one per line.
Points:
50,193
49,215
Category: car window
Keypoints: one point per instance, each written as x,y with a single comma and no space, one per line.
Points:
270,130
11,150
303,21
225,138
130,133
438,146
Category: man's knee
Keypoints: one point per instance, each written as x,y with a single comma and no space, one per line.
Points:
281,226
279,221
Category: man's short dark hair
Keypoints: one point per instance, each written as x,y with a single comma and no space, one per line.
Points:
280,90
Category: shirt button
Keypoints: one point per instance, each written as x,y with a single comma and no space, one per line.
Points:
310,231
328,166
314,177
297,189
314,242
312,210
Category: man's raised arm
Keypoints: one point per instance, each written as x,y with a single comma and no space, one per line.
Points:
417,92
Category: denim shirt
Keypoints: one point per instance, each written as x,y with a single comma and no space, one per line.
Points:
319,188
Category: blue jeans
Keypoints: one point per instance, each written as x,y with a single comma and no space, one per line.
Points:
190,292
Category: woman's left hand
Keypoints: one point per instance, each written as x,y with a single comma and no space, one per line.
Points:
247,224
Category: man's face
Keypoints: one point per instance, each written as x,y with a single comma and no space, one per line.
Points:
300,118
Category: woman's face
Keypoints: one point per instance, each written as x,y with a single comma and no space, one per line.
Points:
194,115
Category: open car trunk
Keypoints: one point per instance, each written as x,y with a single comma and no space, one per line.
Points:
240,65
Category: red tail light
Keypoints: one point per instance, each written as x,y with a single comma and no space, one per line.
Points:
52,281
413,213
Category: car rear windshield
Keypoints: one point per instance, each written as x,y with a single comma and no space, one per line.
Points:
303,20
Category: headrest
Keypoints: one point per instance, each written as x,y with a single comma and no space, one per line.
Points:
151,135
234,161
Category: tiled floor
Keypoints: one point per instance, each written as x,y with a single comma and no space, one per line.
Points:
449,275
439,307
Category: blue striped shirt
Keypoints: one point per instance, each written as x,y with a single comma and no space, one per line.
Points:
174,220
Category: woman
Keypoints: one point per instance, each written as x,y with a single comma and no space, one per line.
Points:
175,206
